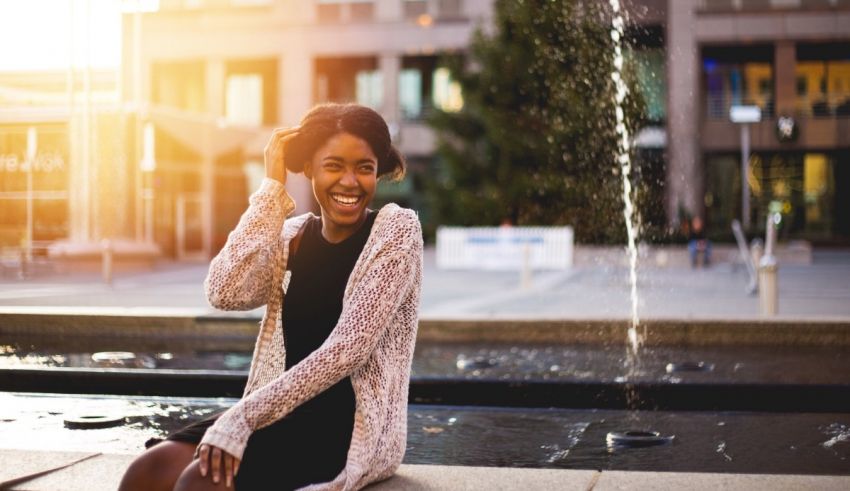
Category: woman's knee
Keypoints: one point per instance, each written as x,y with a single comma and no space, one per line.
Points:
191,480
157,468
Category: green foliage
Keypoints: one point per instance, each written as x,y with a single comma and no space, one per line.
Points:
535,142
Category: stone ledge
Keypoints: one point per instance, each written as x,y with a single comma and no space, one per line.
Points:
104,473
171,323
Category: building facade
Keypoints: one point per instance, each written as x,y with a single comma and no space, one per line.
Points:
168,149
789,58
214,77
64,172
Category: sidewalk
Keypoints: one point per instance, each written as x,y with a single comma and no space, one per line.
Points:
588,291
103,472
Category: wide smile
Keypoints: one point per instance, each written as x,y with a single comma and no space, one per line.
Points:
347,200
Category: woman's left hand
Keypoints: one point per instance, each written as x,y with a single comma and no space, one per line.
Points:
215,459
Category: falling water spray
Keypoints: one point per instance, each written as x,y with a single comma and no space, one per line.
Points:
624,159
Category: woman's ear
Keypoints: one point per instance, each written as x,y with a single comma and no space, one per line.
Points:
308,169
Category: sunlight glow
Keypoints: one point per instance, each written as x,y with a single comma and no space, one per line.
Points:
52,34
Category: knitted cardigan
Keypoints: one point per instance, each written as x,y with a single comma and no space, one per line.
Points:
372,342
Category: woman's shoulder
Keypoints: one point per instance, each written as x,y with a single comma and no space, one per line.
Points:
293,224
400,225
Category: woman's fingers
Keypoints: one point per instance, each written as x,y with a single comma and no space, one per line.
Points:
275,167
204,458
216,464
228,470
285,131
236,463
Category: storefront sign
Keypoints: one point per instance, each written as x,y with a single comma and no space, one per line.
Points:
46,162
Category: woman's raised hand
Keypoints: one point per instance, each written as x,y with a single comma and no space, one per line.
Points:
274,153
219,462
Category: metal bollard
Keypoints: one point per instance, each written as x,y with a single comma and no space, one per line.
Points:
106,264
769,269
768,287
23,272
756,251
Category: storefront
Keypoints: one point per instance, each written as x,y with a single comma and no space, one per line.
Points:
34,183
810,188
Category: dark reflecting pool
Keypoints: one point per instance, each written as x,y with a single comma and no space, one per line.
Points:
472,361
747,442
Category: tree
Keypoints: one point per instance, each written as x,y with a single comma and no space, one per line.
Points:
535,141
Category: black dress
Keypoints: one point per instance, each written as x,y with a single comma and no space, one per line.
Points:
311,443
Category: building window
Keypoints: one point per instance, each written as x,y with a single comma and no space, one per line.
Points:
362,11
450,9
761,5
332,11
244,99
250,92
415,86
370,88
349,79
179,84
50,170
447,95
823,79
329,12
737,75
413,9
651,78
410,93
424,85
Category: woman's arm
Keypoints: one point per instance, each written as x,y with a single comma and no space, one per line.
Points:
364,318
241,274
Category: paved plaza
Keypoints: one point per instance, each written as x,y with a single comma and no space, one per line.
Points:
590,290
593,289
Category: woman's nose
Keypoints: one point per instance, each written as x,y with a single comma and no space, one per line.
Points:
348,179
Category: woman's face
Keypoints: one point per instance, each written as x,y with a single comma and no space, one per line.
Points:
344,174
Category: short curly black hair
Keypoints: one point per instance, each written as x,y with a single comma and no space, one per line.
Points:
327,120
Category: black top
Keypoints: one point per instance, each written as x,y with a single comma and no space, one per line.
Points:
313,304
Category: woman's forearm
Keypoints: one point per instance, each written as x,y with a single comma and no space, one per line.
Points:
240,276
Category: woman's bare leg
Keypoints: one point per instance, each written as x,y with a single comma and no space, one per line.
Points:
158,468
191,480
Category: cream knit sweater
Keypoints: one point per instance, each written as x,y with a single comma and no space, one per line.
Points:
372,342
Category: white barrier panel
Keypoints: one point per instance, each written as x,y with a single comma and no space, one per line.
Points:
503,248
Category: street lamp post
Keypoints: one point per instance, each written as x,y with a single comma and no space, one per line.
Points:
744,115
32,150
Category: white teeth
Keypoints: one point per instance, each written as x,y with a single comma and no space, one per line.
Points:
345,200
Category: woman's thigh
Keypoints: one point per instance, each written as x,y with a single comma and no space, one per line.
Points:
158,467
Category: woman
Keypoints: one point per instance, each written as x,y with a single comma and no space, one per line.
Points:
325,405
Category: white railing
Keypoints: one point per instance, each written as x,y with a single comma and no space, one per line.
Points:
505,248
717,106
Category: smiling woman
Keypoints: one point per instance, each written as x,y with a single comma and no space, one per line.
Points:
326,398
53,35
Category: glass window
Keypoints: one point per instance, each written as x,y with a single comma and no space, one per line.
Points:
329,11
362,11
652,79
450,9
348,79
410,93
244,99
414,8
823,79
738,75
447,94
370,88
818,190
